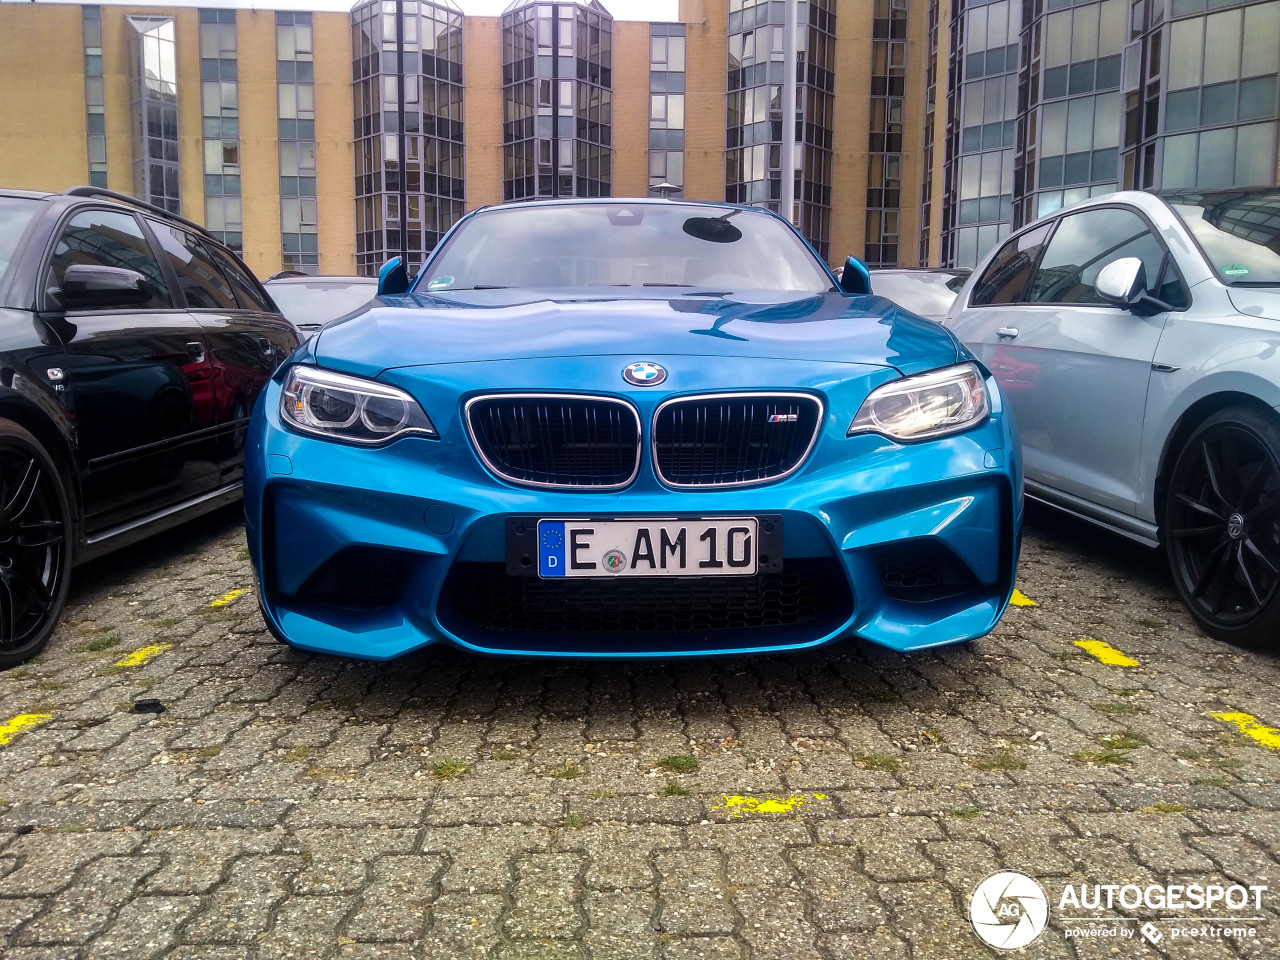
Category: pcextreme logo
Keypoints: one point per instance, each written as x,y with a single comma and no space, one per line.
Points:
1008,910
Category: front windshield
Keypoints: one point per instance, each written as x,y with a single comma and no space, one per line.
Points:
15,214
622,244
321,301
1240,233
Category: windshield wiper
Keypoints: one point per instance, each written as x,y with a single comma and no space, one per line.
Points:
668,284
483,286
1254,283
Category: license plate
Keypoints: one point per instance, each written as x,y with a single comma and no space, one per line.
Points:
661,547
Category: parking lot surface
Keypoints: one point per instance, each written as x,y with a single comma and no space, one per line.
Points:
841,803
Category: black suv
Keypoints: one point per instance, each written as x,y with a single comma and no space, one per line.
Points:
132,348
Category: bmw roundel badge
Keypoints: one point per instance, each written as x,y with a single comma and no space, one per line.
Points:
643,373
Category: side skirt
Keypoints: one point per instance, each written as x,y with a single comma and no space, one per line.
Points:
153,523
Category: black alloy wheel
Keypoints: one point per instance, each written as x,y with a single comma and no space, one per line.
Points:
35,551
1222,526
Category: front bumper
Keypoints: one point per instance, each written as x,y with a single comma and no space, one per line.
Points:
374,553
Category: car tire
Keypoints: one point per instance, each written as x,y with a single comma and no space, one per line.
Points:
35,545
1222,526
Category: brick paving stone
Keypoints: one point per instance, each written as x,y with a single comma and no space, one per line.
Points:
464,926
396,903
693,894
83,909
239,911
145,927
547,897
285,803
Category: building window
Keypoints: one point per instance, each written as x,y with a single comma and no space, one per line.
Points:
409,176
884,149
753,161
94,105
1210,120
557,102
296,135
153,110
220,127
930,118
666,109
982,115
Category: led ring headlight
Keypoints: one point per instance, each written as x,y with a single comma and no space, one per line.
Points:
927,406
341,407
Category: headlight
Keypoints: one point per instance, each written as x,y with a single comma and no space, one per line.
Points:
931,405
348,408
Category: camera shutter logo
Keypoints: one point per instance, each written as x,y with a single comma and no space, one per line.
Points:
1008,910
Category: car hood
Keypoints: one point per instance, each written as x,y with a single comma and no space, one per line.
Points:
418,329
1261,302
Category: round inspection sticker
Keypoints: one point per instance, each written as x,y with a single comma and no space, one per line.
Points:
440,283
1235,270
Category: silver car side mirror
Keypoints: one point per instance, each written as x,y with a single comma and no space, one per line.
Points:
1122,282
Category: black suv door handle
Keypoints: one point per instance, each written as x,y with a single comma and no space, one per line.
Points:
195,350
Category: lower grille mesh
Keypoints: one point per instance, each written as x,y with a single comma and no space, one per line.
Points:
486,601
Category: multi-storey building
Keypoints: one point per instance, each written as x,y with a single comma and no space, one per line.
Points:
329,142
1052,101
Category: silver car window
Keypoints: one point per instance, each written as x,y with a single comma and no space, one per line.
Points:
1086,242
1005,279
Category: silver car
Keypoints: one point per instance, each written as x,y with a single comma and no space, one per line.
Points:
1137,340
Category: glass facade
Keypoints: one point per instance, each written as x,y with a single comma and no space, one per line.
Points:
753,159
1070,150
930,118
296,124
1200,94
557,100
982,113
409,107
220,127
94,105
666,108
884,148
153,111
1107,95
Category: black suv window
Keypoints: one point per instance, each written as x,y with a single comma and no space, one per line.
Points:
246,290
201,281
1086,242
112,239
1005,279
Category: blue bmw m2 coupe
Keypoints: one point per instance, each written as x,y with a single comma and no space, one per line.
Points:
630,428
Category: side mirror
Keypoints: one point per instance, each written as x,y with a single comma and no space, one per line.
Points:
1122,282
855,278
89,285
393,277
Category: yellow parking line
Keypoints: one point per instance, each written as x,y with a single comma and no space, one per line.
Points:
1106,653
1020,599
143,654
19,723
229,597
1267,736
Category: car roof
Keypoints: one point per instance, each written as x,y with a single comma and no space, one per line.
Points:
323,278
953,270
614,201
25,194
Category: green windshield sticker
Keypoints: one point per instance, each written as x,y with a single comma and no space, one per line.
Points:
439,283
1235,270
